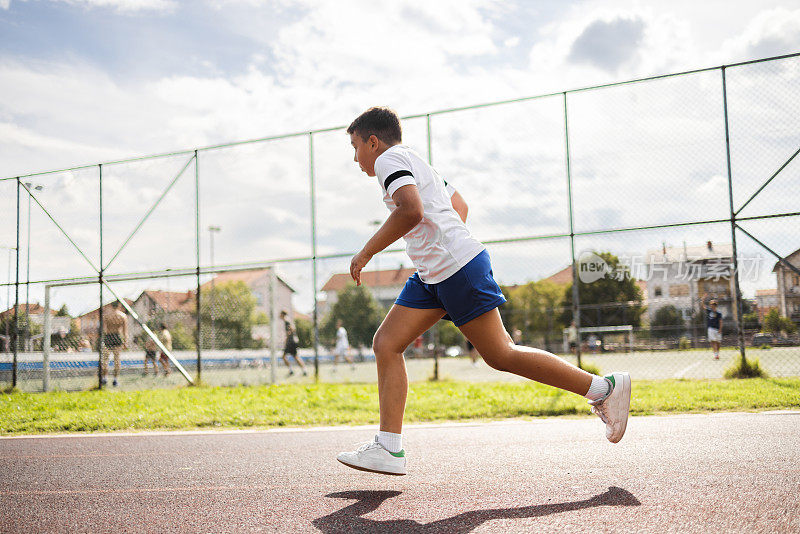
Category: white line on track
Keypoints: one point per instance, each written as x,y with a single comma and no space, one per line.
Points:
688,368
537,420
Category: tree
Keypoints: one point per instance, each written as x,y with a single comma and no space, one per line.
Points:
63,312
774,323
182,337
751,321
610,301
531,308
667,322
232,307
360,313
449,334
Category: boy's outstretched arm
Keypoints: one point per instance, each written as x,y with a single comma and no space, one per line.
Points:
460,205
402,220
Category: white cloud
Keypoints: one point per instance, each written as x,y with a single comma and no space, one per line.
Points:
5,4
772,32
125,6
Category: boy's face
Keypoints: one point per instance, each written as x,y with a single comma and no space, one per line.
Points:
366,152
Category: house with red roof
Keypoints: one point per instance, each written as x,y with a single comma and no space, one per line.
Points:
384,286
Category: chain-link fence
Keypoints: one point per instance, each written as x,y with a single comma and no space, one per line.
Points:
614,216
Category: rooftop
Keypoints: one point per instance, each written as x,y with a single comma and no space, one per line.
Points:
387,278
708,251
249,277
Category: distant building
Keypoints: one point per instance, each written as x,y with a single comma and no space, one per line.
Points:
36,312
561,278
564,278
680,276
170,307
766,301
89,323
789,287
384,286
258,282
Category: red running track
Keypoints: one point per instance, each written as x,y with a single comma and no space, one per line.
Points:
690,473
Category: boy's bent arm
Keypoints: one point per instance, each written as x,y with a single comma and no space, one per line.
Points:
403,219
460,205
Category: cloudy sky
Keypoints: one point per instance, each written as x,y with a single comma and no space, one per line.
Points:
83,81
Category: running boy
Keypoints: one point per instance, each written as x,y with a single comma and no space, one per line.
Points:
454,280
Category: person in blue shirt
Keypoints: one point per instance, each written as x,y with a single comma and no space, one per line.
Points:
713,324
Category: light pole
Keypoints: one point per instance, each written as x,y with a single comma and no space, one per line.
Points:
211,231
37,187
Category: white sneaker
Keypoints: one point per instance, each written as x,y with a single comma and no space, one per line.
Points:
613,409
371,456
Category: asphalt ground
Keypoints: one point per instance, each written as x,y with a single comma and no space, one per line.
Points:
693,364
688,473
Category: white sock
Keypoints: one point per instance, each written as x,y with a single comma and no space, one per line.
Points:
390,441
600,388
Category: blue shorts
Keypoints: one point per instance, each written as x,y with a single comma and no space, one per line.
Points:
470,292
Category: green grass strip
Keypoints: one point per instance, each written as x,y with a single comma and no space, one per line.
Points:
350,404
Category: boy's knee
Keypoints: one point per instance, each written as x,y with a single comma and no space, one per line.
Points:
383,345
498,359
380,345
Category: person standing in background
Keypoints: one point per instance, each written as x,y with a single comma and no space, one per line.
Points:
166,339
713,323
342,349
291,345
572,337
115,336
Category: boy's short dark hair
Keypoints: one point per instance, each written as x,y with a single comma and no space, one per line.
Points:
381,122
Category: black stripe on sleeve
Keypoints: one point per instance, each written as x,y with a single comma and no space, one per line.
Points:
394,176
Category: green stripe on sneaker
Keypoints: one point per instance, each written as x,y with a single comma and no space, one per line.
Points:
611,377
400,454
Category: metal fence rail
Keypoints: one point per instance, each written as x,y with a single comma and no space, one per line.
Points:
609,174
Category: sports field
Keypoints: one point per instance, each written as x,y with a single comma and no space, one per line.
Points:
678,473
248,368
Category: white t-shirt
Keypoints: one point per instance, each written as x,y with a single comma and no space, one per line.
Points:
440,244
341,339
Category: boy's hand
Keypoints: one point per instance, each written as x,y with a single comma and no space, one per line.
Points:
358,262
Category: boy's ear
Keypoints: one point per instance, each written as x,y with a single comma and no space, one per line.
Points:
373,141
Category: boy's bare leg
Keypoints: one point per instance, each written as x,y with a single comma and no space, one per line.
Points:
490,338
104,362
116,364
400,327
299,362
